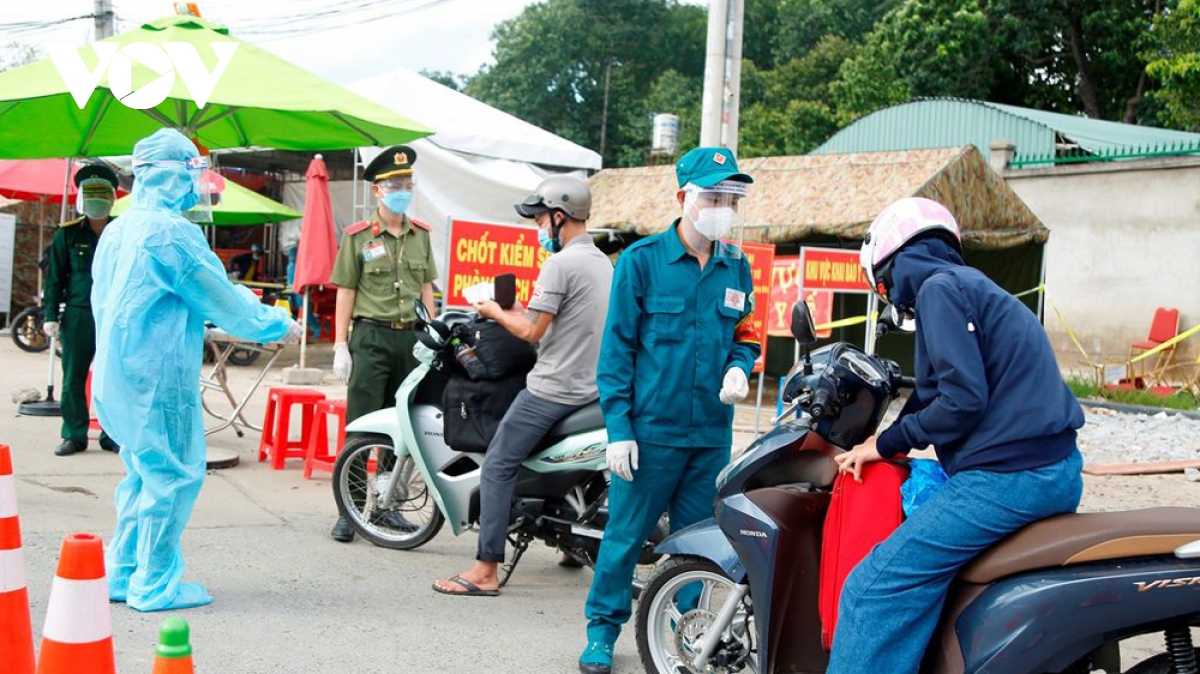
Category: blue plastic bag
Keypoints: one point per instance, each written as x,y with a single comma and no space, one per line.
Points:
925,479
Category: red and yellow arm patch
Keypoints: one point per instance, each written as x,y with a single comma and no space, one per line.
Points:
744,332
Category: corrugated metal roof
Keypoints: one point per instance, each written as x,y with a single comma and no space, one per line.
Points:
834,195
945,122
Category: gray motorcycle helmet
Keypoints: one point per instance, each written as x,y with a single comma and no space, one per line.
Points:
563,193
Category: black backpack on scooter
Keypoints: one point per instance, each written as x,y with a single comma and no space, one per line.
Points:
473,409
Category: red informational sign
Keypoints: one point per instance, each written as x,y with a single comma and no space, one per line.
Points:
785,290
762,258
479,252
832,269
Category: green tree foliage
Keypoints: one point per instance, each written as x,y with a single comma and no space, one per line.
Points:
1176,65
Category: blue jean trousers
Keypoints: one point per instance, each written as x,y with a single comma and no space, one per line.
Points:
892,600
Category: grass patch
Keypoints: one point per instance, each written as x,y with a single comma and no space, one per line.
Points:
1085,387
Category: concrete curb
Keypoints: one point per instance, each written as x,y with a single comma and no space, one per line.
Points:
1137,409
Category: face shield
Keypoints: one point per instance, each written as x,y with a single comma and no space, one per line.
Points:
197,204
396,193
712,213
95,198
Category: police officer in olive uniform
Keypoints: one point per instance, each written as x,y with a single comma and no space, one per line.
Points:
383,264
69,281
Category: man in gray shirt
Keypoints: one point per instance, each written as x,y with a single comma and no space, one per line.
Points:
566,319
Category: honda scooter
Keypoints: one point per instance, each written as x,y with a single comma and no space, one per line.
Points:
1054,597
405,468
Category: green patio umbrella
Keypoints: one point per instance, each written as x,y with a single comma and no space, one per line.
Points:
237,206
260,100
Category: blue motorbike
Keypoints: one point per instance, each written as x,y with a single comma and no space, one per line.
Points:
1054,597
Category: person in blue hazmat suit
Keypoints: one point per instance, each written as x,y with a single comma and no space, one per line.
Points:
678,347
155,284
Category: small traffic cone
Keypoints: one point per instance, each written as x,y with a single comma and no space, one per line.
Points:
16,630
77,638
174,652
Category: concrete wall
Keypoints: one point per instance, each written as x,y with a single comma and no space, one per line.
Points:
1124,239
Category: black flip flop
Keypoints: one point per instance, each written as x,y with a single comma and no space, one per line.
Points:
472,590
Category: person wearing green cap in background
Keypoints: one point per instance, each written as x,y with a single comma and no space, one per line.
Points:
677,351
383,264
69,282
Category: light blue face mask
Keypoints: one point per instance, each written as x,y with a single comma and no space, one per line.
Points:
398,201
548,241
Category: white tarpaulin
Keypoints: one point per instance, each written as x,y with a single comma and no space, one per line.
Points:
478,164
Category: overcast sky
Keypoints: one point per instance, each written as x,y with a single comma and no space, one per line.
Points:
443,35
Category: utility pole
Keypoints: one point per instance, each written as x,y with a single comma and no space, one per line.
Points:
104,18
722,74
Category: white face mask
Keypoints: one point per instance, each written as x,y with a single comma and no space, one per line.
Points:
714,223
95,208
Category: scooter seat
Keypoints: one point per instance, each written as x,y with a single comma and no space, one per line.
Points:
1089,537
586,418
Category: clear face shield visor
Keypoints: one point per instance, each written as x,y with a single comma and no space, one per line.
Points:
95,198
199,202
713,214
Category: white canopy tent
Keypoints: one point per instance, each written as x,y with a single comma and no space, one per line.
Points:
478,164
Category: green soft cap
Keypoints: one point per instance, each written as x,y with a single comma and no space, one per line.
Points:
707,166
173,639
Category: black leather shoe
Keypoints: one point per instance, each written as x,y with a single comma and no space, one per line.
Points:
393,520
109,446
69,447
342,531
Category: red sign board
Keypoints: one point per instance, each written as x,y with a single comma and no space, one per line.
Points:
761,257
479,252
785,291
832,269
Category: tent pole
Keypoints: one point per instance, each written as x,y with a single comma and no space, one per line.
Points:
304,333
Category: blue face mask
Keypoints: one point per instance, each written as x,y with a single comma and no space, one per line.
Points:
398,201
548,241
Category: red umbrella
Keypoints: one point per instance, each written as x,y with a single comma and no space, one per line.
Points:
318,243
37,179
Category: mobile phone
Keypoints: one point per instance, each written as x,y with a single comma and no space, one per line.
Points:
505,290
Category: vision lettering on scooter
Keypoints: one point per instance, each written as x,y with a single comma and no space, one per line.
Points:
1161,584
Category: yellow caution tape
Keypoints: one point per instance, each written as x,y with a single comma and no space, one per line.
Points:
1167,344
843,323
1039,289
269,286
1074,339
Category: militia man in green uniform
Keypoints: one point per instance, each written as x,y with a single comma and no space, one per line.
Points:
69,281
383,264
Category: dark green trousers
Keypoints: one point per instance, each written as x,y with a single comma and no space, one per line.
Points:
382,358
77,330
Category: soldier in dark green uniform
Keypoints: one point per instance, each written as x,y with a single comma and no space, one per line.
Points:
383,264
69,281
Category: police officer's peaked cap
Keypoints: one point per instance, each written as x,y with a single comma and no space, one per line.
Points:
397,160
96,171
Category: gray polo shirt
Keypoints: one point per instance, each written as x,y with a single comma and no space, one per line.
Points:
574,286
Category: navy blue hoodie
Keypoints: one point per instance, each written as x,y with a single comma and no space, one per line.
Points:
989,393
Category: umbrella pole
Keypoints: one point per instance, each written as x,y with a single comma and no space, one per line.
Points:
41,224
304,333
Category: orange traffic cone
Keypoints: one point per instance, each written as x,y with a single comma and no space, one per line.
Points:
77,638
16,631
174,652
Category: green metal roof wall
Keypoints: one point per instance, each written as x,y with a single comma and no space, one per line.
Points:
945,122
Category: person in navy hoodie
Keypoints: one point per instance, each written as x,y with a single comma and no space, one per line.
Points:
991,402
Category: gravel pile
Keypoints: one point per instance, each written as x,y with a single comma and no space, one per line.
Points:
1117,437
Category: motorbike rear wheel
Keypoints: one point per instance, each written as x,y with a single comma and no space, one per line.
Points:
356,493
669,635
27,330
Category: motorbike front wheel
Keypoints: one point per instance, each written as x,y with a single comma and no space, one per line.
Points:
675,611
361,476
27,330
1159,664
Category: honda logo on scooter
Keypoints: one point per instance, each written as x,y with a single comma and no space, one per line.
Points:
752,533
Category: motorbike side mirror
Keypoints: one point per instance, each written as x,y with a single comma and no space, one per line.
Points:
802,324
422,311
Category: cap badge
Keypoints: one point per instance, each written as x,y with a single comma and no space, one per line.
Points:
401,158
719,158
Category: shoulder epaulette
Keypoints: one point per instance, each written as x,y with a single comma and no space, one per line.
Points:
420,224
358,227
72,223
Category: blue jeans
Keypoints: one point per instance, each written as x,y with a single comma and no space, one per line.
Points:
893,599
680,480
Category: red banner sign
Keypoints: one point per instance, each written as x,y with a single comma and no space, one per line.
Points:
762,258
785,290
479,252
832,269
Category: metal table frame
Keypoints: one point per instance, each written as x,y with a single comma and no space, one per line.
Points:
222,345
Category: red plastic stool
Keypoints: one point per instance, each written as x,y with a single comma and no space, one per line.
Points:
93,422
276,440
318,455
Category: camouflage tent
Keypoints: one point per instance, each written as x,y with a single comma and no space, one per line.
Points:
797,198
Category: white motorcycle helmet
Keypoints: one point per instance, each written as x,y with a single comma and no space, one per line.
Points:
898,224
